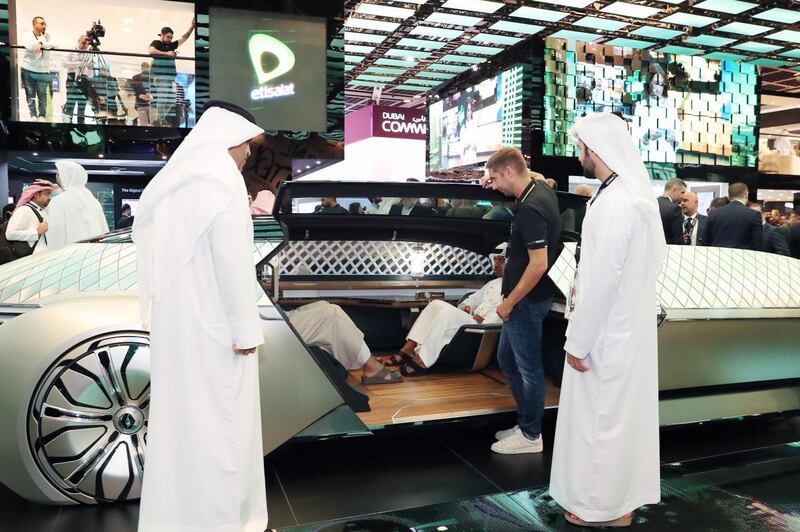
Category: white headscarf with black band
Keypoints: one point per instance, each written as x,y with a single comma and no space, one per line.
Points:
607,135
165,230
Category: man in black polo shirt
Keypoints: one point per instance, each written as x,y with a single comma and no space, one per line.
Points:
162,72
527,292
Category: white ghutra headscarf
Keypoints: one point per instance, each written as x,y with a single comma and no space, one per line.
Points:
74,214
607,135
200,181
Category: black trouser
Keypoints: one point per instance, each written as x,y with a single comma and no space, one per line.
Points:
75,99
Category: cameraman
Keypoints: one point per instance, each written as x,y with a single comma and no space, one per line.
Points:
162,72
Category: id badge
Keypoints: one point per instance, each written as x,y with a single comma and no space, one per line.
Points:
572,298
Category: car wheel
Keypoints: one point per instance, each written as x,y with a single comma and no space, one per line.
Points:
87,420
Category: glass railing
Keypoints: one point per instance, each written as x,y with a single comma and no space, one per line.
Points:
86,87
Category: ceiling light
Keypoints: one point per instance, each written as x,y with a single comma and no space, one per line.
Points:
757,47
353,36
368,24
656,33
786,35
308,167
629,43
568,3
516,27
384,11
319,162
455,58
630,10
456,20
724,56
679,50
687,19
743,28
490,38
734,7
358,49
539,14
472,49
420,43
36,154
441,33
569,35
101,155
774,63
709,40
777,14
474,68
792,53
481,6
600,23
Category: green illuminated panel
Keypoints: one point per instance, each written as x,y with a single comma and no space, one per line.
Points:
777,14
786,35
384,11
687,19
708,40
369,24
600,24
724,56
414,88
490,38
354,36
419,43
568,3
367,84
743,28
370,77
448,68
629,43
656,33
385,70
436,75
575,36
774,63
734,7
516,27
481,6
539,14
757,47
436,32
395,52
456,20
453,58
353,58
395,62
679,50
357,49
630,10
792,53
426,82
472,49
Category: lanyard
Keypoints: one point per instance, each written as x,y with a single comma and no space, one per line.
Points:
607,182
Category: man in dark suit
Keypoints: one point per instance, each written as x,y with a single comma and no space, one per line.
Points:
734,225
694,224
411,207
671,216
794,240
773,239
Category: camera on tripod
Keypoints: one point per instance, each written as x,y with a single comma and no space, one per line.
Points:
95,32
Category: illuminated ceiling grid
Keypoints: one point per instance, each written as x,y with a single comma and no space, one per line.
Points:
415,36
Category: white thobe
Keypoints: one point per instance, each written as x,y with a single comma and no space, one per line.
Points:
605,453
436,325
23,224
327,326
204,452
73,219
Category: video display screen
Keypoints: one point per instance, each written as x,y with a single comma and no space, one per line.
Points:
469,126
779,135
681,109
272,65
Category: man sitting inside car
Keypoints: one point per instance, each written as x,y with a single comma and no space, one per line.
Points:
327,326
439,321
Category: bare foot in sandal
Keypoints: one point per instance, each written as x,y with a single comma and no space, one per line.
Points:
620,522
377,373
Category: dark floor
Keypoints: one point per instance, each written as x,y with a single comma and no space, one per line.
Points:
725,476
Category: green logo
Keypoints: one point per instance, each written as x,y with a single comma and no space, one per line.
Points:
259,45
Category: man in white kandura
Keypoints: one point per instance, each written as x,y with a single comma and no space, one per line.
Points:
606,455
75,214
438,322
194,235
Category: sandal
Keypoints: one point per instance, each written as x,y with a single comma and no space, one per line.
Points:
620,522
396,360
417,370
380,377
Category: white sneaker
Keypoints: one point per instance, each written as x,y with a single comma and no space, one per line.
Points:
517,443
503,434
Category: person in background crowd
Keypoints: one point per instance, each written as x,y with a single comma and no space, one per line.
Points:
374,206
74,214
606,449
7,211
28,223
163,72
439,321
794,240
263,202
140,84
411,207
669,205
467,208
355,208
734,225
75,105
716,203
500,212
773,239
36,68
328,327
572,219
329,205
552,183
694,224
532,249
125,219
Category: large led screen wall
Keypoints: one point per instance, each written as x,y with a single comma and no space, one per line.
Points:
271,64
468,126
779,135
682,109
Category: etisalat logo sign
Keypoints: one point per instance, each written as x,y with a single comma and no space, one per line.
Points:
259,45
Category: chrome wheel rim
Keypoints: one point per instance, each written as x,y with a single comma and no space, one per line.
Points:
87,423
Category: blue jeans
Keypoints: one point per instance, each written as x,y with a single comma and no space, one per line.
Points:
36,85
519,354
